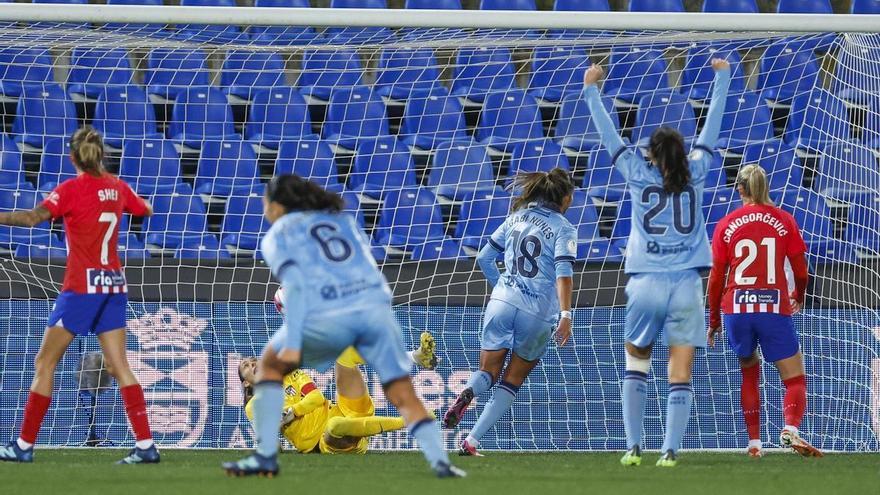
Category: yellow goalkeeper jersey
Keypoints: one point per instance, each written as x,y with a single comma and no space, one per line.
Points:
311,409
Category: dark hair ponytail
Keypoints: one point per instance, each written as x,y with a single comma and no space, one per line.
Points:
549,187
667,151
297,194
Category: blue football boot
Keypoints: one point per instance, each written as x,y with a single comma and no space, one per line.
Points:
141,456
11,452
253,465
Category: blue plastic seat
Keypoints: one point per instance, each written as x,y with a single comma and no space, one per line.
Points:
583,216
55,249
311,158
277,115
817,118
865,7
509,117
787,70
871,126
176,217
358,35
150,166
746,120
508,5
664,109
23,66
656,6
459,167
845,170
210,33
434,4
579,6
403,72
813,216
93,69
205,247
557,71
381,165
283,35
225,166
326,70
171,71
575,129
633,74
128,246
863,223
44,112
123,113
697,77
480,71
431,119
447,249
716,204
352,206
244,224
602,180
22,197
134,29
409,217
482,212
541,155
245,73
55,164
11,170
733,6
622,224
353,115
781,163
851,81
804,7
201,113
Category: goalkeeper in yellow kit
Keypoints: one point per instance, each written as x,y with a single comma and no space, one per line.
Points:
312,423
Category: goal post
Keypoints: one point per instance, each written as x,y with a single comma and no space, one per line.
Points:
419,119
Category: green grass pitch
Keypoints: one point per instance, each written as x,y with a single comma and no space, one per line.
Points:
78,471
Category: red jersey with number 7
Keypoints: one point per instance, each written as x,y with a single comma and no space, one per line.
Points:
92,209
754,242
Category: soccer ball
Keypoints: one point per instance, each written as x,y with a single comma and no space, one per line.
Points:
279,300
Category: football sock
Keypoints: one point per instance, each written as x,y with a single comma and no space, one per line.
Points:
34,412
268,404
363,427
427,433
678,412
750,400
795,401
480,381
136,409
501,401
635,395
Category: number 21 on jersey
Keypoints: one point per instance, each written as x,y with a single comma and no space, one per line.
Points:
748,250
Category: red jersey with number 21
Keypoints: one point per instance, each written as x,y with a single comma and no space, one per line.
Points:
755,242
92,209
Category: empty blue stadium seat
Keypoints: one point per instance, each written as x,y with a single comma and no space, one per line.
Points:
175,217
55,249
352,206
804,7
480,71
508,5
245,73
847,169
863,223
622,224
283,35
851,81
602,180
123,113
354,114
404,71
787,70
381,165
150,166
23,66
431,119
201,113
633,74
509,117
434,4
225,166
244,223
656,6
311,158
813,216
277,115
11,171
871,126
780,161
22,197
93,69
746,120
583,215
326,70
865,7
55,164
575,129
301,4
207,33
459,167
557,71
44,112
664,109
171,71
540,155
482,212
128,246
697,77
446,249
817,118
716,204
205,247
409,217
734,6
581,5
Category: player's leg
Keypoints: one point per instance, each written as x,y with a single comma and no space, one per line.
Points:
358,419
741,336
679,401
425,356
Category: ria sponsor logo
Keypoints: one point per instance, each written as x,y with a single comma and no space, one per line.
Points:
756,296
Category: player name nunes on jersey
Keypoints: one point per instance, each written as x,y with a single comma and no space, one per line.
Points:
105,281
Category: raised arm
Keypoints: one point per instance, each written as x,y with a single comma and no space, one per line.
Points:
611,140
709,135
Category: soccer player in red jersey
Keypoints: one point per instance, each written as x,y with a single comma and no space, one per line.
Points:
750,249
94,295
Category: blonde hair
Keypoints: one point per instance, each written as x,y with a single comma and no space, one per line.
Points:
753,179
87,149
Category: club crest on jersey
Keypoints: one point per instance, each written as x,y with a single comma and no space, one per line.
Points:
105,281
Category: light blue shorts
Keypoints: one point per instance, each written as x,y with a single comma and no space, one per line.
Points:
374,332
507,327
669,302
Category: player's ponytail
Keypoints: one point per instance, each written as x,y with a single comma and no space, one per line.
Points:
87,151
667,151
753,181
297,194
545,187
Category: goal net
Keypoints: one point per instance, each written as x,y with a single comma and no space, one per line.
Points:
420,128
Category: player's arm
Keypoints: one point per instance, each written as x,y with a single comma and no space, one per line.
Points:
715,290
621,156
26,218
279,258
135,204
489,253
709,135
796,254
312,396
565,253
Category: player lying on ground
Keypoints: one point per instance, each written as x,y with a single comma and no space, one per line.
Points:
311,423
335,298
93,297
531,298
750,249
667,246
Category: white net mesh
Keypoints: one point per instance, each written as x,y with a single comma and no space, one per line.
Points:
419,129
